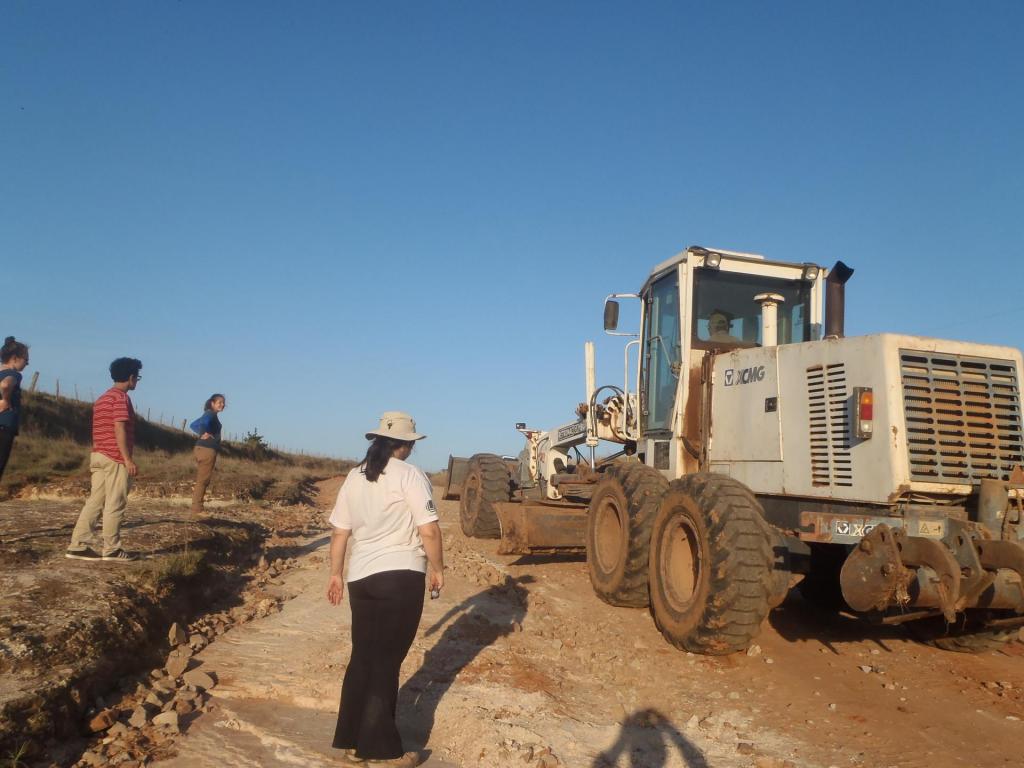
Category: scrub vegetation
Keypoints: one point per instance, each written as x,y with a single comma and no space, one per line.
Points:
51,455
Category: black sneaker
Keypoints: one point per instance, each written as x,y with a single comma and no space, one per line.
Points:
119,555
82,554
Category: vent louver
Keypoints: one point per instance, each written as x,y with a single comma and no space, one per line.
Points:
829,412
963,417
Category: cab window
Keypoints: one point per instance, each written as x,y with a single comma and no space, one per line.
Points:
663,351
726,315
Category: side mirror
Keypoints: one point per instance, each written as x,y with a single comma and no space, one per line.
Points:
611,315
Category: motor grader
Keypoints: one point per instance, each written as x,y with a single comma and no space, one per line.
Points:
760,448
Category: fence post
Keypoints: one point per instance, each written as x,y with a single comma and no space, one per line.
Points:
57,393
147,415
76,391
183,424
35,380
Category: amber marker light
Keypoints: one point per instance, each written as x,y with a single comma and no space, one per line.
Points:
864,412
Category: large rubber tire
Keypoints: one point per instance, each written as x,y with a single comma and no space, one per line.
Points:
710,565
619,522
487,481
964,638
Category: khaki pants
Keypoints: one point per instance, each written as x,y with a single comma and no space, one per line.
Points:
109,497
206,460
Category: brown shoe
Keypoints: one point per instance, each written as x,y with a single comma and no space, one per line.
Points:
349,756
408,760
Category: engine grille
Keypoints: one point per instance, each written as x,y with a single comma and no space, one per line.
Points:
963,417
829,410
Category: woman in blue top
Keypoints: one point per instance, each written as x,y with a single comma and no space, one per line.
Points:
13,359
208,428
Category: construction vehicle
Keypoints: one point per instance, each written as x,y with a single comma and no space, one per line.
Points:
760,449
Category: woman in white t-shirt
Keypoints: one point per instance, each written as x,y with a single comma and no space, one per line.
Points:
386,507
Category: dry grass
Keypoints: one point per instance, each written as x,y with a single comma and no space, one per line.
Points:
170,568
13,759
54,444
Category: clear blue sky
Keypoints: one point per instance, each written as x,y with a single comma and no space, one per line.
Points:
327,210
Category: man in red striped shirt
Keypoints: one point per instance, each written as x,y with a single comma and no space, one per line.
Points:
113,441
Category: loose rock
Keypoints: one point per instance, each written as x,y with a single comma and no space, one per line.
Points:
140,716
102,721
199,679
177,662
167,719
183,706
176,635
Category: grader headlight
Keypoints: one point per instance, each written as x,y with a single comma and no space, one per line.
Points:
863,412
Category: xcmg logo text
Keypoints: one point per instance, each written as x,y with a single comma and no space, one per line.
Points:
743,375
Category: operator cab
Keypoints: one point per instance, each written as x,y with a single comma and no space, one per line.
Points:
703,302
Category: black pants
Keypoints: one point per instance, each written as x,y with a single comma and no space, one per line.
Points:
386,610
6,443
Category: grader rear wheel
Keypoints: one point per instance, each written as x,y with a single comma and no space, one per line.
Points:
619,521
487,481
710,565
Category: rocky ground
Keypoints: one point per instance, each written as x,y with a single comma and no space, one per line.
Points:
518,664
74,633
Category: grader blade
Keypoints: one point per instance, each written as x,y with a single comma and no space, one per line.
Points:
457,469
534,528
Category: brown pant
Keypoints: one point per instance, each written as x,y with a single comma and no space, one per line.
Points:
206,460
109,496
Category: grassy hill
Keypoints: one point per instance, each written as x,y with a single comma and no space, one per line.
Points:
52,453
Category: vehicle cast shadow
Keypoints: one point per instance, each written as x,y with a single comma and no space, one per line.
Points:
476,623
796,619
647,737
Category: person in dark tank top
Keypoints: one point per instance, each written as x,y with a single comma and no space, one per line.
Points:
13,360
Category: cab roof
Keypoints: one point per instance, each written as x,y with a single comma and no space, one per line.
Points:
699,250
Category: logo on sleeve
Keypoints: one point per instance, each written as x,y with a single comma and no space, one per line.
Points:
431,508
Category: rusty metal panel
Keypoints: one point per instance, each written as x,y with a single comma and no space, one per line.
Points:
457,468
851,528
529,528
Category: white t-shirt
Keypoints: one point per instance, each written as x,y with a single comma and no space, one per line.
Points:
383,517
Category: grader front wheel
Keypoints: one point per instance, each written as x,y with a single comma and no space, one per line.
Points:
487,481
619,522
710,565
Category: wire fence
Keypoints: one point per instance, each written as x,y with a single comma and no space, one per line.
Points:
71,392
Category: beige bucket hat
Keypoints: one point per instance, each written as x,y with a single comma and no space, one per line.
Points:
396,425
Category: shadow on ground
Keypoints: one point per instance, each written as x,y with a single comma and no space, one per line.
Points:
476,623
796,620
647,738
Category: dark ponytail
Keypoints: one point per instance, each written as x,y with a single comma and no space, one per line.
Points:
11,349
378,455
211,398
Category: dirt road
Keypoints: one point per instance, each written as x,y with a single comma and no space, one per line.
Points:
519,664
